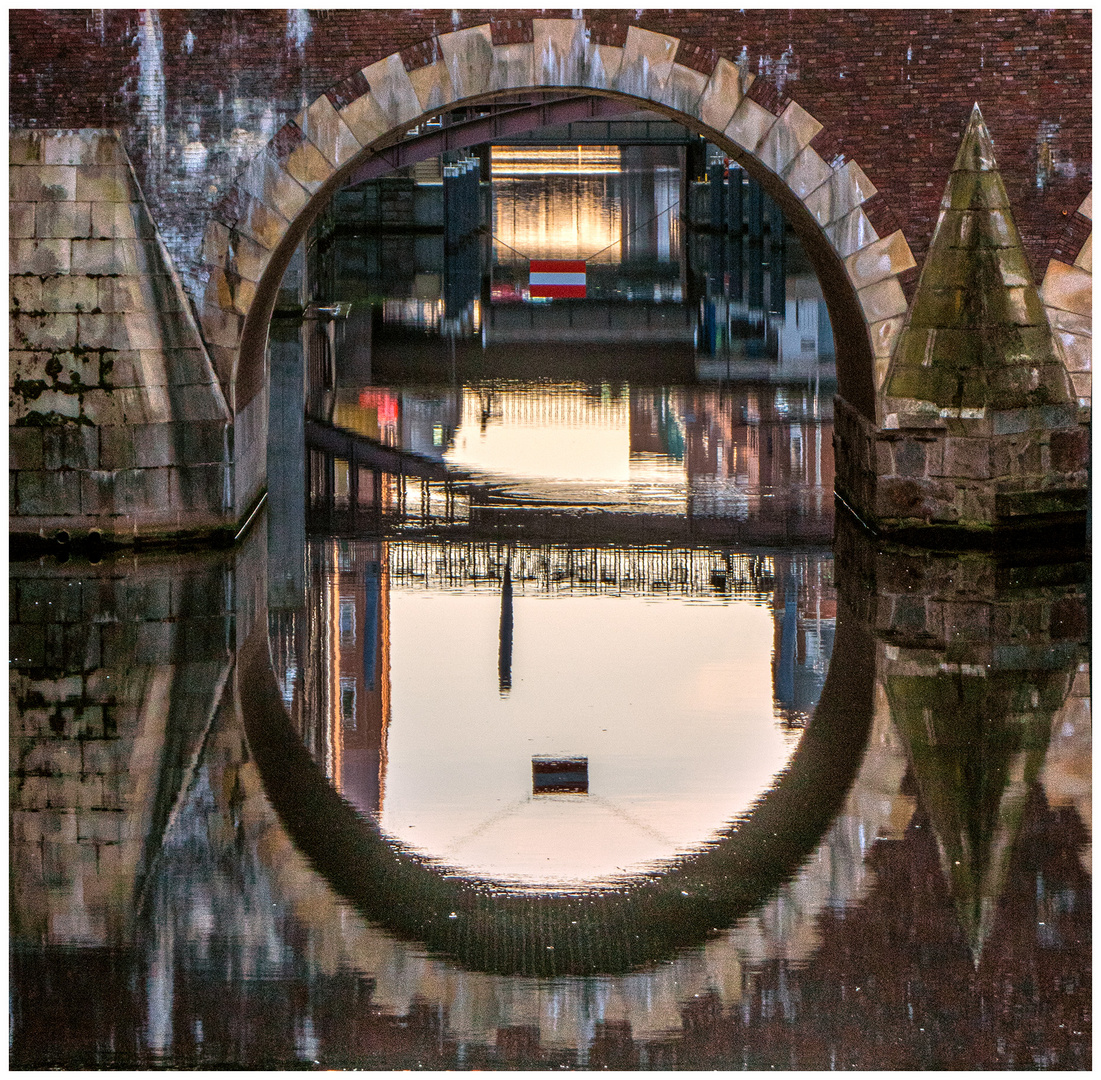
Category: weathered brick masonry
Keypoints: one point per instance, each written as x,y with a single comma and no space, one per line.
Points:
893,89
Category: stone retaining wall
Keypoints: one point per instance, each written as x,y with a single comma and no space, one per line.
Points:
118,424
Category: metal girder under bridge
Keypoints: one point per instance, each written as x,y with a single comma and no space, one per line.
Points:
503,122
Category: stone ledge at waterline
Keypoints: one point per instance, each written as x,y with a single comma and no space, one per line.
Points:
117,424
981,430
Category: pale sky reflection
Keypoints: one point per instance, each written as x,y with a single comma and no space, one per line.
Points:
688,747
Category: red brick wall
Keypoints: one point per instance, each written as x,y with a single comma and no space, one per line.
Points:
899,118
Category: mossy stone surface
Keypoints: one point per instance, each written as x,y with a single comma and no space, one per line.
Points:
977,335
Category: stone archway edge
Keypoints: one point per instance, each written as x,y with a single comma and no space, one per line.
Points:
364,110
1067,293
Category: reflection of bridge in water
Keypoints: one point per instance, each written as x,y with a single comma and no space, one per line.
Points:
356,486
557,568
83,727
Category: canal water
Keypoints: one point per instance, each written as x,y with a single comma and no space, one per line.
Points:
549,715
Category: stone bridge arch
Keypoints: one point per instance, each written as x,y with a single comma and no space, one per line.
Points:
828,199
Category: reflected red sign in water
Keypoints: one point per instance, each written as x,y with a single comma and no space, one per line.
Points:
382,400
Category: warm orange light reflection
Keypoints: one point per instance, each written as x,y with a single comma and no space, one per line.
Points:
576,216
509,162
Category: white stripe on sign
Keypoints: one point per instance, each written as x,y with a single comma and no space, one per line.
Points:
557,279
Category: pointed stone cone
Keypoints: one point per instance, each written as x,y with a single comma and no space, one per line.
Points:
975,747
977,336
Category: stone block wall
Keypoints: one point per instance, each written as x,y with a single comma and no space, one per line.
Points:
118,424
965,473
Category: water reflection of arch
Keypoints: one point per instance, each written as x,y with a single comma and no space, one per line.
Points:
485,928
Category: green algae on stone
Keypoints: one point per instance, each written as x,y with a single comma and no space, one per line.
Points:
976,335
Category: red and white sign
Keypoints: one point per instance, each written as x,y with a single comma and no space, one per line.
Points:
557,278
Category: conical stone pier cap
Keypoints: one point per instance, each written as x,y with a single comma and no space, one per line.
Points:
976,336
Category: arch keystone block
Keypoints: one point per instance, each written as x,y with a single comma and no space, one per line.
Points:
558,50
647,63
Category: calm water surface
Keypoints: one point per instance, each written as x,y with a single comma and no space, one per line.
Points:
580,735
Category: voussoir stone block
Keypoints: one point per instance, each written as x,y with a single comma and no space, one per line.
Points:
513,66
215,249
792,131
469,57
558,48
1084,260
392,90
720,96
880,260
647,63
806,172
229,292
268,182
308,166
364,119
683,89
1077,351
245,257
749,124
842,193
851,233
432,85
261,223
324,127
1068,288
883,300
884,334
221,327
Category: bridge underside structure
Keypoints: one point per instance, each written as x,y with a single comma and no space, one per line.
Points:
139,377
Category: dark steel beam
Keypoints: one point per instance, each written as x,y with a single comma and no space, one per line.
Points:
497,125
